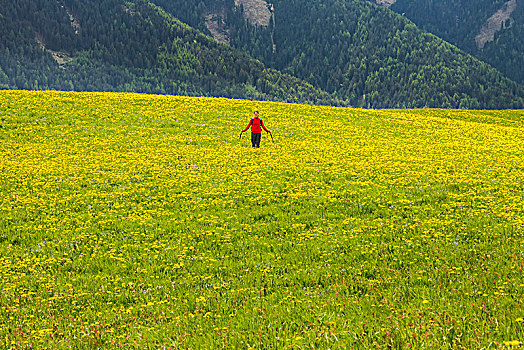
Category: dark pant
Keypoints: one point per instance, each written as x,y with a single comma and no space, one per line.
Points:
255,139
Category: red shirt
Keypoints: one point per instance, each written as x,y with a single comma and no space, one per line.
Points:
255,124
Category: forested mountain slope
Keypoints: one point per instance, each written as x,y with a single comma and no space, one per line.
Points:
360,52
349,52
492,30
115,45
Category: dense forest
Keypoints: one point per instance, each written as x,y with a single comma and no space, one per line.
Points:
335,52
362,53
459,22
111,45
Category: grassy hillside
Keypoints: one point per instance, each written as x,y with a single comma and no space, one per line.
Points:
141,221
116,45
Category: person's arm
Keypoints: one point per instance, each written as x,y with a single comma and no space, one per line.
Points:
248,125
263,126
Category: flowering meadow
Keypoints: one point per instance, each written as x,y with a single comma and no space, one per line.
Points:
141,221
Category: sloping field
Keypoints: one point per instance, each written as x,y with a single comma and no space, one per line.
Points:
141,221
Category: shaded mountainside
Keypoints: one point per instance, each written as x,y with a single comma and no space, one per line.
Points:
491,30
324,52
112,45
360,52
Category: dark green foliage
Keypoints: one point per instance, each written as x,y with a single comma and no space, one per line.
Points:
365,54
129,46
460,21
372,57
349,52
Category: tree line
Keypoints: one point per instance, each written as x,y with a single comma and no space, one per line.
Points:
460,21
131,46
328,52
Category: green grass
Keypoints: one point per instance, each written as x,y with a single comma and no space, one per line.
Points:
141,221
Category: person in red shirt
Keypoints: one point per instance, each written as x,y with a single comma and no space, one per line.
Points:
256,132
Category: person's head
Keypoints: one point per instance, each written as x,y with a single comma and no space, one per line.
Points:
256,114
